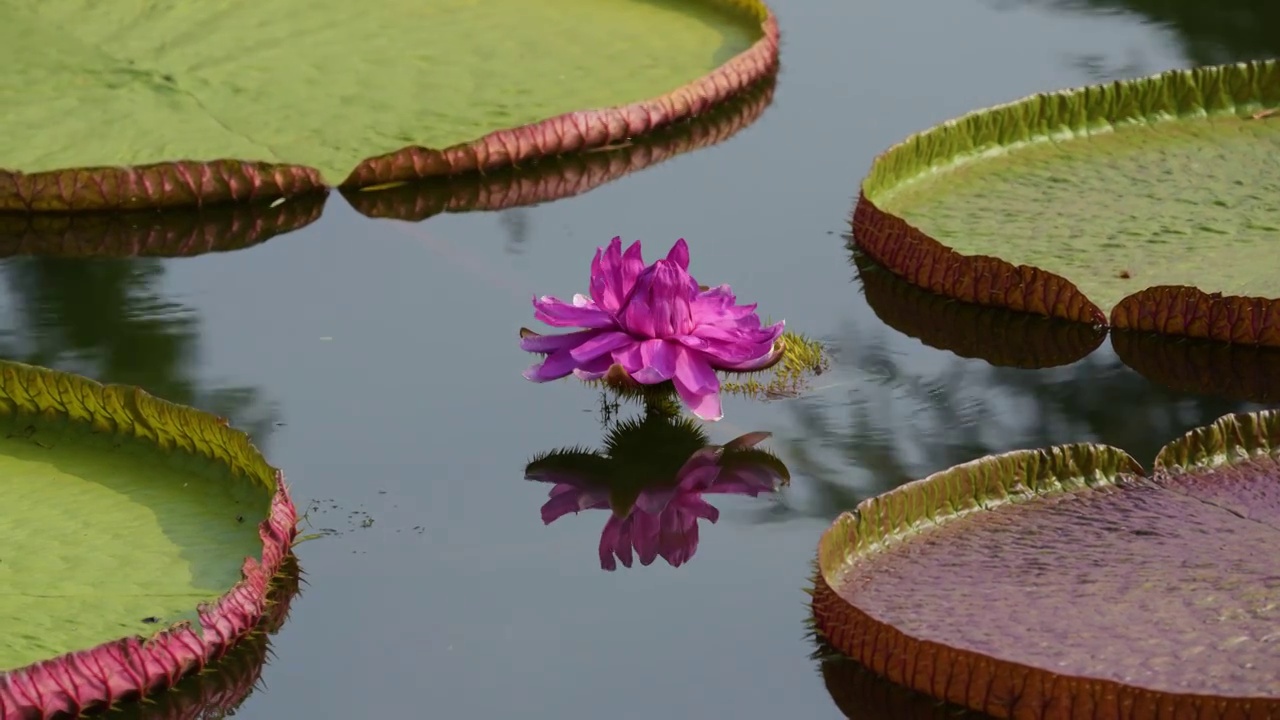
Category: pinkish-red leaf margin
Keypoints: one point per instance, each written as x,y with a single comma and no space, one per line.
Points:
125,669
585,129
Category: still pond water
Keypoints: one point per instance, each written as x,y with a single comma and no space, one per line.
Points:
377,363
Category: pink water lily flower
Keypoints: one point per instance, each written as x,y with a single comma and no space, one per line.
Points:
663,521
657,324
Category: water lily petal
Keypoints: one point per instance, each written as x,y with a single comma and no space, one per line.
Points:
610,536
629,357
659,304
533,342
763,362
748,440
603,343
646,536
698,386
679,254
558,313
594,369
572,500
556,365
613,274
657,362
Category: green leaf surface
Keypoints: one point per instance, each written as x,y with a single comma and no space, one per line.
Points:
1026,583
1162,192
329,83
105,537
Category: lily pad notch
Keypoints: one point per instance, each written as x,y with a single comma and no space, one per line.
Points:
233,178
936,208
1064,583
96,678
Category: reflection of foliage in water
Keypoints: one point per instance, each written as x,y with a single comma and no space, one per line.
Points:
107,320
904,423
1211,33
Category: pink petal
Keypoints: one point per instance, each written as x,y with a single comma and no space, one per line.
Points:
699,479
593,369
659,304
557,365
609,539
679,254
558,313
603,343
657,362
764,361
698,386
551,343
573,500
646,536
613,274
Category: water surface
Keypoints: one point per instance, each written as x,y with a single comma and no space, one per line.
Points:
376,362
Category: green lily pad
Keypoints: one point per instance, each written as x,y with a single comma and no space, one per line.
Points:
138,541
178,232
159,104
999,336
1155,200
557,178
1067,583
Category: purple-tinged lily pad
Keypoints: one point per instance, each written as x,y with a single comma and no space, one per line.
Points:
1000,336
160,104
1064,583
1152,202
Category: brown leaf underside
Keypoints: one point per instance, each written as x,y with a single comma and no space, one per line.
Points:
1191,312
1001,337
979,279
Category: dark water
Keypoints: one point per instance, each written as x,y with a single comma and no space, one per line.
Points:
376,362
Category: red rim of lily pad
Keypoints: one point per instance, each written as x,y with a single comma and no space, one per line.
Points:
96,678
862,695
914,255
996,335
182,183
565,176
178,232
1048,502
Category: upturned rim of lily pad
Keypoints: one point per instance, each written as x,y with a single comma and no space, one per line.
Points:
986,280
990,683
185,183
996,335
96,678
559,177
175,232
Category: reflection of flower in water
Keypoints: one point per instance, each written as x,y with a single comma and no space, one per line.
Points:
653,474
656,324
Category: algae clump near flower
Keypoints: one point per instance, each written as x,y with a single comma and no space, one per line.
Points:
650,325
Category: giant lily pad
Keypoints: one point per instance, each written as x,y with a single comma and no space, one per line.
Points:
560,177
179,232
139,541
1065,583
157,103
1155,200
999,336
